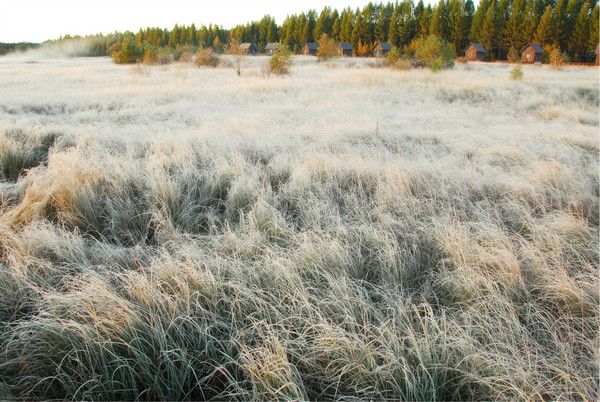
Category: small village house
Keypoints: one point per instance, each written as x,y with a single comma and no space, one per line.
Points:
345,49
382,49
310,49
475,52
532,53
249,48
271,47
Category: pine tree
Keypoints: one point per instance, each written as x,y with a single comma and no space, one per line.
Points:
559,24
382,25
425,21
439,22
174,37
335,28
502,14
358,32
393,28
323,24
298,33
346,25
515,27
272,32
469,10
368,24
455,17
532,20
579,37
571,14
488,29
593,30
477,24
406,28
543,34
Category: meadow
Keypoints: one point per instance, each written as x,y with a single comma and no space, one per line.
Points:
343,232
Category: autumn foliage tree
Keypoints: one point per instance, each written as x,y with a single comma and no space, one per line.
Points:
327,48
234,49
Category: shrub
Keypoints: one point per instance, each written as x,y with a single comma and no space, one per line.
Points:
327,48
433,52
206,57
398,60
126,52
164,57
516,73
281,61
512,56
183,54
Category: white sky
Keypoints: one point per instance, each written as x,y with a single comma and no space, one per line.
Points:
38,20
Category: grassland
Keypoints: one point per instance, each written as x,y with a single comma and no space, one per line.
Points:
343,232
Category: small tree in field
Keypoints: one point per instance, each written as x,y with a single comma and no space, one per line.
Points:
516,73
281,61
234,48
327,48
557,58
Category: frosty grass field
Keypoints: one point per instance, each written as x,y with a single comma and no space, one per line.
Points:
342,232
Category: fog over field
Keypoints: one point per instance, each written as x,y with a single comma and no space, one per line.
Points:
346,231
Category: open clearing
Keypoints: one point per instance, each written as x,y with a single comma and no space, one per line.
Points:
345,231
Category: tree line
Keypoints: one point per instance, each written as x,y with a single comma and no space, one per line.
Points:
501,26
16,47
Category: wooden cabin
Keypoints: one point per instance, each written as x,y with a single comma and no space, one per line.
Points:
532,53
249,48
475,52
310,49
271,47
345,49
382,49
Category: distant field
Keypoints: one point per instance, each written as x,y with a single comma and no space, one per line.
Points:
342,232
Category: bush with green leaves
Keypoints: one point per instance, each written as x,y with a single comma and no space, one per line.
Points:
281,61
433,52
